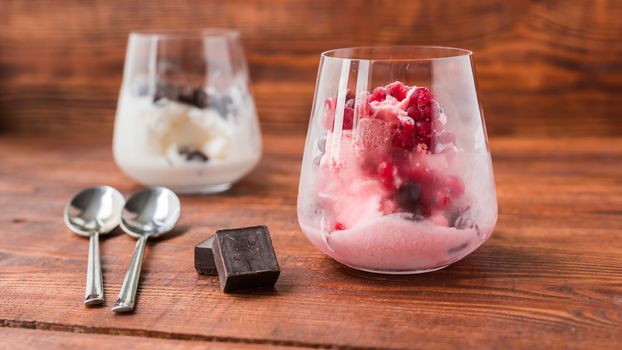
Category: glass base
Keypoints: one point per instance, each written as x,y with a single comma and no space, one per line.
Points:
398,272
200,189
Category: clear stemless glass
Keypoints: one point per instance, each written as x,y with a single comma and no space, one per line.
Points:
396,176
185,117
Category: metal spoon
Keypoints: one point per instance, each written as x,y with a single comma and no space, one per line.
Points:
149,213
93,212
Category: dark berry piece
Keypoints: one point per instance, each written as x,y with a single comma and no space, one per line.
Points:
409,196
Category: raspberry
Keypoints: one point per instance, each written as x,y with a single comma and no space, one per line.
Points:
386,172
420,109
397,90
379,94
420,105
339,226
405,134
424,134
409,134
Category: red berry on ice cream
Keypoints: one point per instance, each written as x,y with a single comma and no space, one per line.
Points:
386,173
379,94
405,134
339,226
397,90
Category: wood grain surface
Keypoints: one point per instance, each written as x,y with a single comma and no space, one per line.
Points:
21,338
549,277
545,67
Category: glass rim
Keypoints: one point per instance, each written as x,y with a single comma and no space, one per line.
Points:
399,53
185,34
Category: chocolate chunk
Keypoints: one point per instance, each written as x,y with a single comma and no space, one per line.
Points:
170,92
222,104
204,258
245,258
194,96
190,95
193,154
460,218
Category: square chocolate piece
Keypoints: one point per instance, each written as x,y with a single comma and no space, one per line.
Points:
204,258
245,258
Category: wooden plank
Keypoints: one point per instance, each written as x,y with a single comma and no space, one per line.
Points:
548,277
544,68
20,338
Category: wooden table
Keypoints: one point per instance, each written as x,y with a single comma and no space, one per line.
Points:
549,277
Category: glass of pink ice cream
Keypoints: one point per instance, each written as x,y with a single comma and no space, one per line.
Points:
396,176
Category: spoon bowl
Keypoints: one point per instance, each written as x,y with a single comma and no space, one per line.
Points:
93,212
151,212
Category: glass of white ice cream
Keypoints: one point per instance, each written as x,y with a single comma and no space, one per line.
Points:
186,118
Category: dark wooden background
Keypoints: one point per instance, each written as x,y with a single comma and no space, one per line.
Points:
545,68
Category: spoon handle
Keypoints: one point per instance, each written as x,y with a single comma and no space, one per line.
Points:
94,293
127,295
